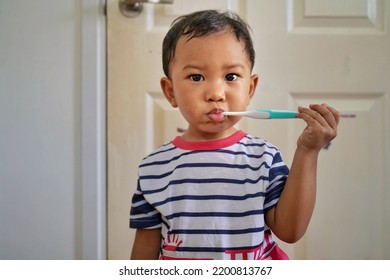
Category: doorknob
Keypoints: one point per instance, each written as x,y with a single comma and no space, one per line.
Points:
132,8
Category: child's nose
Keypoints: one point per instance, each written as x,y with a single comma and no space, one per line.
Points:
215,93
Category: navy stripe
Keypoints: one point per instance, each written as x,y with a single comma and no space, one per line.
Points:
163,162
246,154
215,214
208,197
159,151
258,145
203,165
217,231
215,249
142,223
137,198
143,208
275,192
258,140
208,181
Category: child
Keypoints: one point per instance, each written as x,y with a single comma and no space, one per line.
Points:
216,192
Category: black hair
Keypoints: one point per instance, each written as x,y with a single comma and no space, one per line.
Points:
202,23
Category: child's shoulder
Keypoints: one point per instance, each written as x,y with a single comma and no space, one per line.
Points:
160,151
258,142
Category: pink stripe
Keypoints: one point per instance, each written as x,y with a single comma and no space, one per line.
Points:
209,145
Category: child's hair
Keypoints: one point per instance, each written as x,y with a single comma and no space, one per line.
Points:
204,23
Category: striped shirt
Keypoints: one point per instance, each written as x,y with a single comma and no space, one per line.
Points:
209,198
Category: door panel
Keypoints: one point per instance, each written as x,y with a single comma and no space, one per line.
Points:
351,181
307,51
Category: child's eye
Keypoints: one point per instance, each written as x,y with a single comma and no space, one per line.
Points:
196,78
231,77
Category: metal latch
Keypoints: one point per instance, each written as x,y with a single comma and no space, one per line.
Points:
132,8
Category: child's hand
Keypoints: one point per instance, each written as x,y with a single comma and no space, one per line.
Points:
322,121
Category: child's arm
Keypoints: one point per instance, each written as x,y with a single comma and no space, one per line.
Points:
290,217
147,244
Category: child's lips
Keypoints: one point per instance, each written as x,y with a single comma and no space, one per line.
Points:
216,115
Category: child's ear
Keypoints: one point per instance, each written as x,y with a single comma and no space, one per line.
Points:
167,88
253,85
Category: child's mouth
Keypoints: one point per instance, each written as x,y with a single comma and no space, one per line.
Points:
216,115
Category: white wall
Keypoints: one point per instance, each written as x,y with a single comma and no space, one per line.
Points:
41,131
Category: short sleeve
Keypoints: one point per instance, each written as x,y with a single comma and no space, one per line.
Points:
142,213
278,174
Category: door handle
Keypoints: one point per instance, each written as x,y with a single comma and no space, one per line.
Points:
132,8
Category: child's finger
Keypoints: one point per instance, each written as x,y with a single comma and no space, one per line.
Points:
312,116
326,117
336,114
306,115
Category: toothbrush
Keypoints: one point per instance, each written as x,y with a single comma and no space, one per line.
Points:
264,114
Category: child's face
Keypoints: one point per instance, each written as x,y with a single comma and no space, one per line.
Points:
209,75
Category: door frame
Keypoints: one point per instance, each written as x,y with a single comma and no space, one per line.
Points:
93,115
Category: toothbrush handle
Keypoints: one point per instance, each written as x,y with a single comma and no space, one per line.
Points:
280,114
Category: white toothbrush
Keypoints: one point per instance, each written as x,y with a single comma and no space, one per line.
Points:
264,114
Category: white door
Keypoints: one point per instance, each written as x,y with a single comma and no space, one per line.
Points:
307,51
